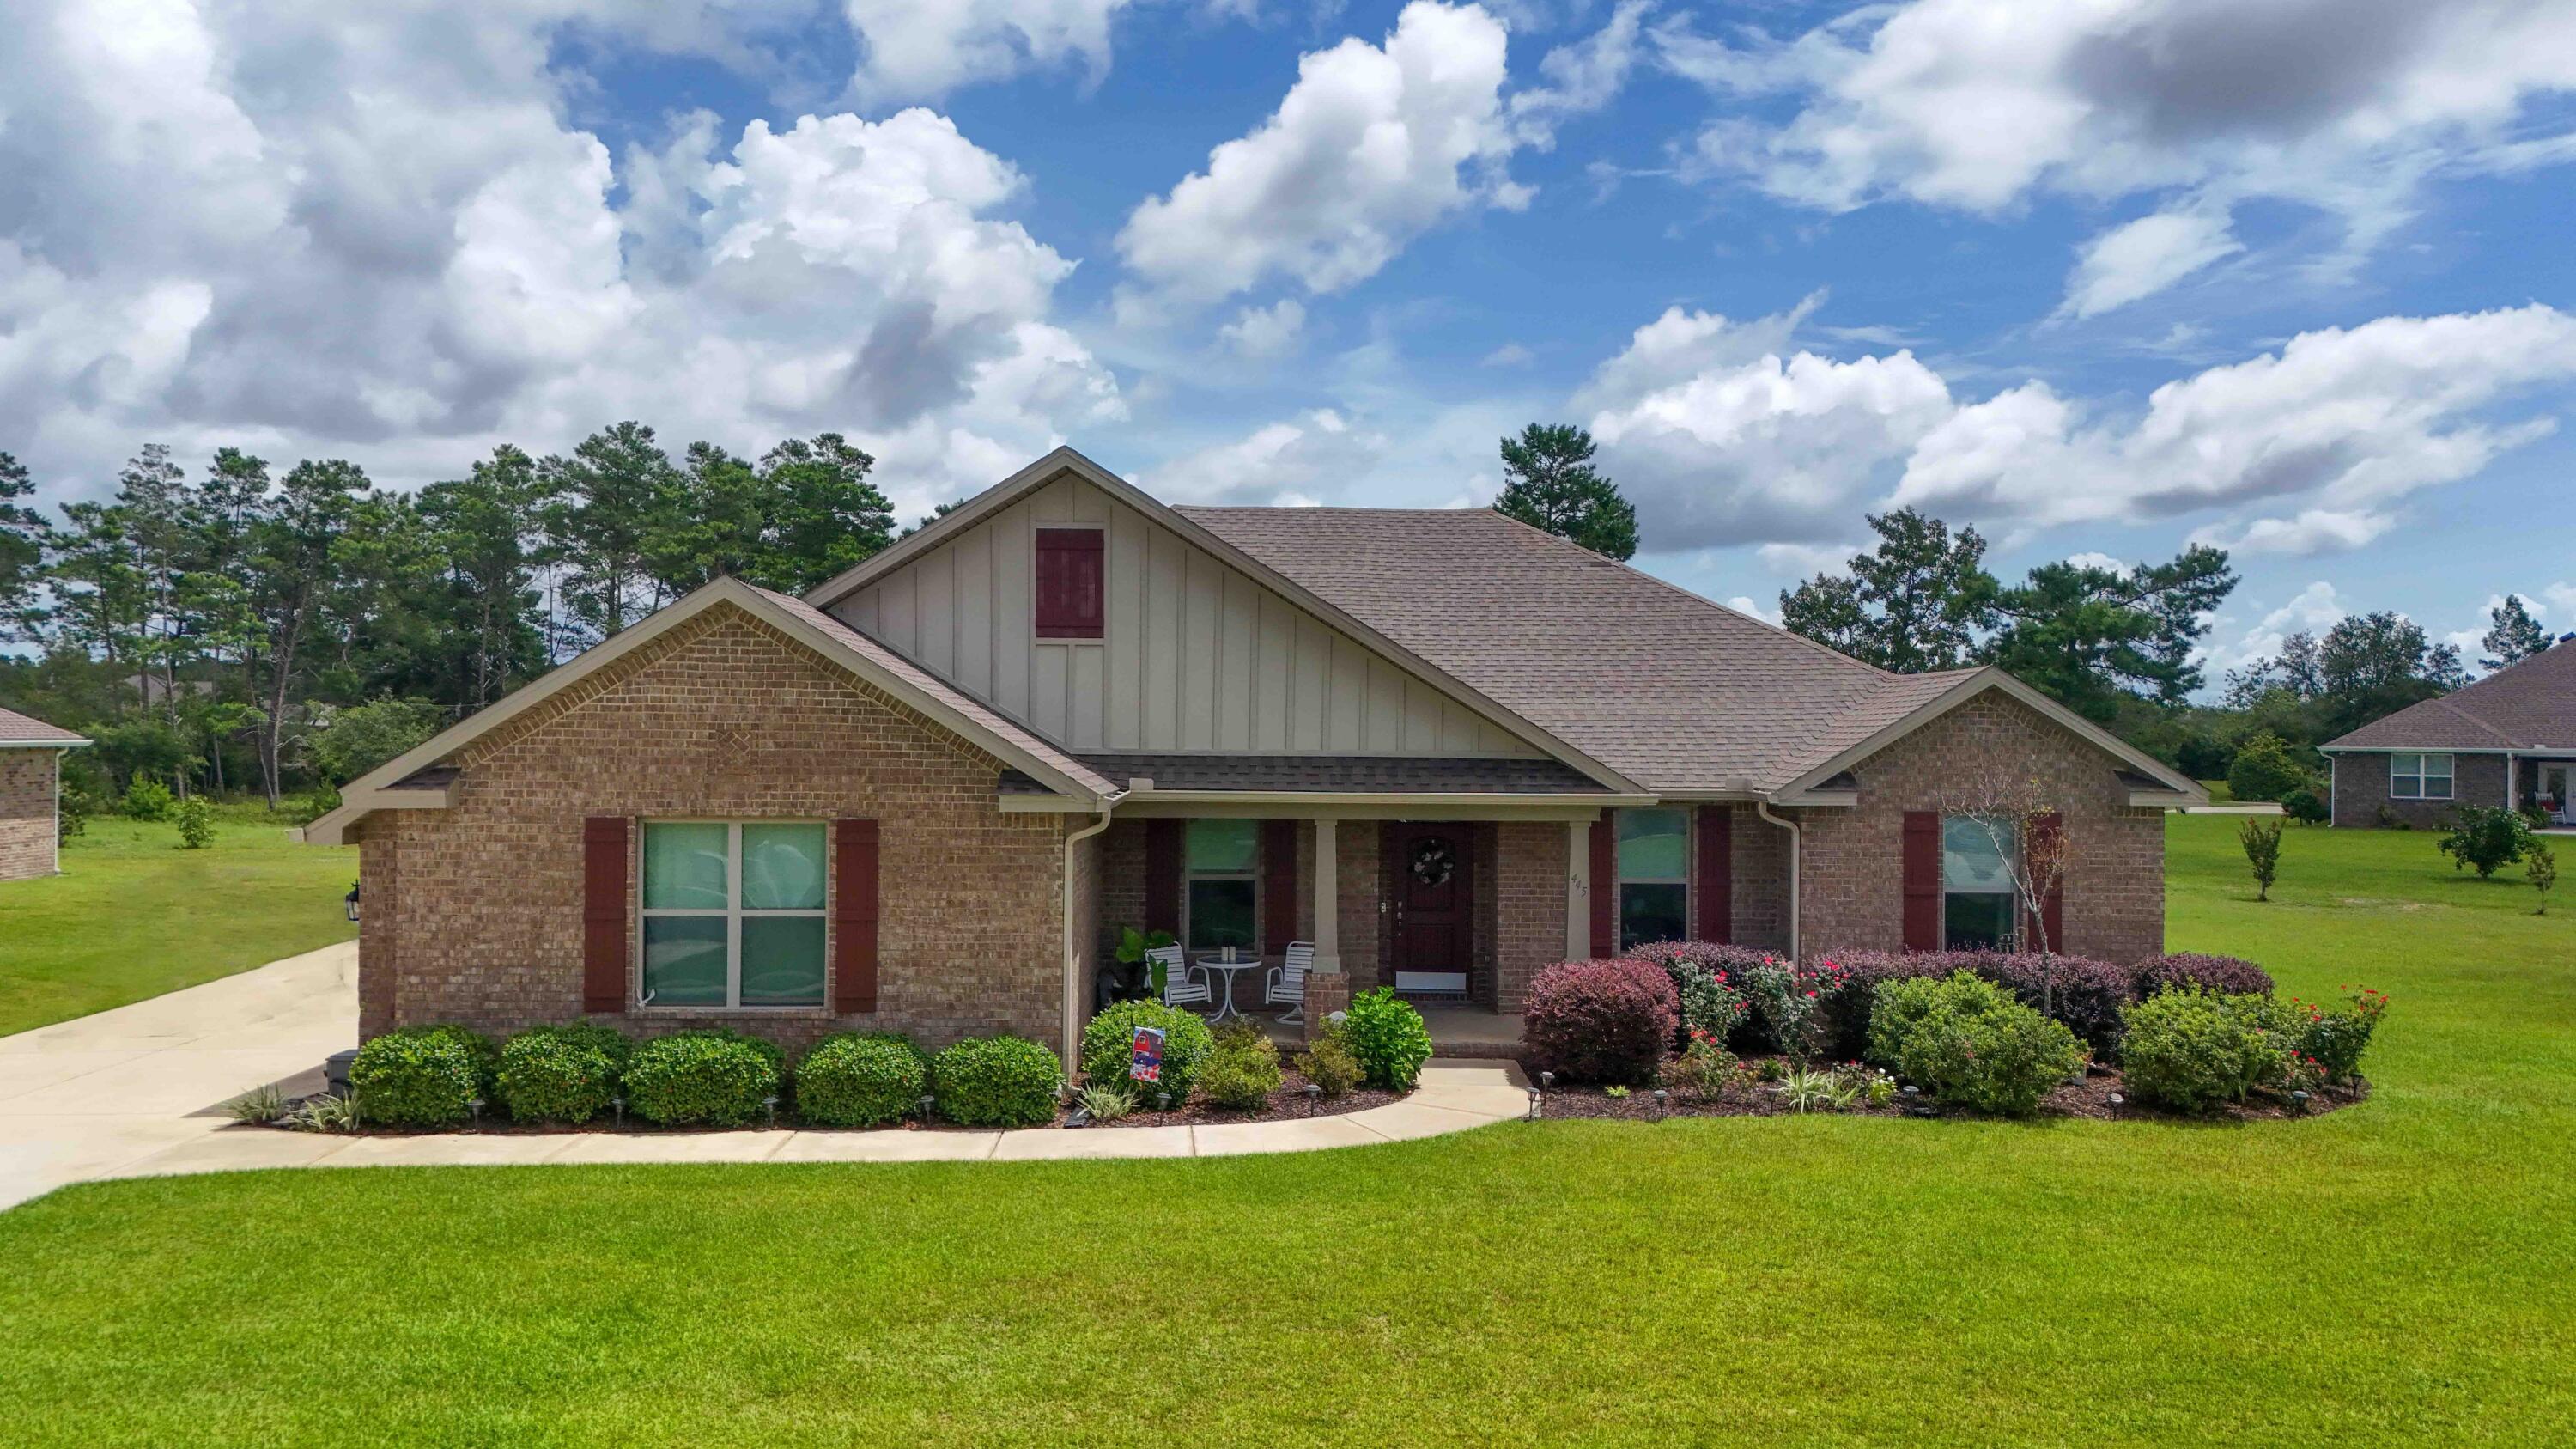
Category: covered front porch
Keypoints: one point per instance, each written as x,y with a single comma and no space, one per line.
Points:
2547,783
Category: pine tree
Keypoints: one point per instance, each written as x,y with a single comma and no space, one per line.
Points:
2514,637
1913,604
1549,483
23,538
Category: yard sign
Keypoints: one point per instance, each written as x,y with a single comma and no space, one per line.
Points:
1145,1055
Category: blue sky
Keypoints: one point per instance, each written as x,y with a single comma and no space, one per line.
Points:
2102,279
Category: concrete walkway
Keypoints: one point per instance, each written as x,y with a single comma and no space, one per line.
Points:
1453,1097
88,1097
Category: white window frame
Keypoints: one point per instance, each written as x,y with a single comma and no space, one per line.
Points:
2010,893
2422,775
1622,880
734,915
1191,875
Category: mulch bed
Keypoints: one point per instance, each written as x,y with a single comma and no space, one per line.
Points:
2088,1097
1288,1102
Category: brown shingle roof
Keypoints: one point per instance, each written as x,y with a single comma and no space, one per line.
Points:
2531,706
1664,686
18,729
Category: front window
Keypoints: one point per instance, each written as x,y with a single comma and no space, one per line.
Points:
1221,889
2419,777
1654,876
733,914
1976,884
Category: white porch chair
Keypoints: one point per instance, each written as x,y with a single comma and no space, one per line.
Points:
1287,981
1178,988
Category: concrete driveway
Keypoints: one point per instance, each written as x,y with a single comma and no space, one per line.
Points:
80,1099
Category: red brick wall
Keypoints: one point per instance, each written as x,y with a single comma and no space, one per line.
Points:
1853,888
1530,906
474,912
27,783
1761,913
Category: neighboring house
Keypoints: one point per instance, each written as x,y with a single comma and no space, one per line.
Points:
31,758
1442,746
2509,739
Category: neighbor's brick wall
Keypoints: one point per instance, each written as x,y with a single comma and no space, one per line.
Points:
27,783
2361,787
474,912
1529,906
1853,878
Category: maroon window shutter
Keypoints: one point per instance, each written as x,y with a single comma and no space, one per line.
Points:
605,927
854,916
1922,880
1605,887
1163,876
1716,882
1278,885
1072,590
2047,833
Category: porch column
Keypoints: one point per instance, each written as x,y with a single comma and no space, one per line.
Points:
1328,914
1578,890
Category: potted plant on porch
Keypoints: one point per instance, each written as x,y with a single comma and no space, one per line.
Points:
1125,978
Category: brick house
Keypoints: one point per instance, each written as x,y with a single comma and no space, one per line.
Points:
1442,747
2508,739
31,758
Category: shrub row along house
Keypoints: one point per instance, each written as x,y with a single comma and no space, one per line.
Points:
31,758
1444,748
2508,740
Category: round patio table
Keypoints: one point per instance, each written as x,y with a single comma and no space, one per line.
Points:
1225,1008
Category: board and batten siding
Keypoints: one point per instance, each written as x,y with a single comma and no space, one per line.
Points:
1195,654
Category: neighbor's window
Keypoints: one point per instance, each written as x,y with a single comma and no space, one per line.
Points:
1072,594
733,914
1220,857
1976,884
1654,876
2419,777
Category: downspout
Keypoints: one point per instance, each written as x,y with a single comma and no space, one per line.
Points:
1797,847
1073,984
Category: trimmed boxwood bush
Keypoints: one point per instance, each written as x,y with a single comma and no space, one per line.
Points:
427,1076
861,1079
1708,982
1969,1042
1388,1038
996,1081
1106,1043
1244,1071
1600,1021
2226,975
562,1073
704,1078
2193,1049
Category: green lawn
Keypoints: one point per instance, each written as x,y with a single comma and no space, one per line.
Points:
133,915
2397,1271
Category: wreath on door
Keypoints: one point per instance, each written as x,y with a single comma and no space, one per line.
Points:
1434,861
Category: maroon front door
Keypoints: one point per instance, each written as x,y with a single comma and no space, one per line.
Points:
1434,907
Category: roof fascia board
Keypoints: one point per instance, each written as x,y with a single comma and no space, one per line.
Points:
1967,689
2441,749
45,744
1174,804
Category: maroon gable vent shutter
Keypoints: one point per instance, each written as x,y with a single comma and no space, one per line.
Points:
1278,885
2046,834
1922,880
1716,873
1163,876
854,916
604,923
1605,887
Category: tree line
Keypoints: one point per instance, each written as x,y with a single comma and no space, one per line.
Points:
237,628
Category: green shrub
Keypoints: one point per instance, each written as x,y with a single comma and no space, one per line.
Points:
1994,1056
427,1076
2194,1049
1328,1063
1105,1101
2334,1037
562,1073
1706,1069
1243,1073
2487,837
1899,1005
2265,770
1388,1039
147,800
1106,1043
2261,840
861,1079
2303,806
996,1081
196,823
704,1078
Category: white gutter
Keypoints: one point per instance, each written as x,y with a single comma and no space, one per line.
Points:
1797,844
1073,985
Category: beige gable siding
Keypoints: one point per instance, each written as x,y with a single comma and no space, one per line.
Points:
1197,656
